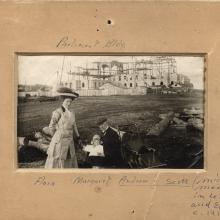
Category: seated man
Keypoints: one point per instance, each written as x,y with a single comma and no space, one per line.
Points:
111,145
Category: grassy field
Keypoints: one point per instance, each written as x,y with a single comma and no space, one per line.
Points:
120,111
133,113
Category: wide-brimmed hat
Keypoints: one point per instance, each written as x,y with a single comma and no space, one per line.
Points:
67,92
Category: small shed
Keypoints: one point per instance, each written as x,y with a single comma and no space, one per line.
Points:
112,89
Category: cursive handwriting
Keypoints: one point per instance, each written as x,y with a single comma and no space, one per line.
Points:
135,181
66,42
206,197
114,44
42,181
205,190
181,181
79,180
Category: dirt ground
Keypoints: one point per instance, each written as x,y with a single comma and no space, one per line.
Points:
136,113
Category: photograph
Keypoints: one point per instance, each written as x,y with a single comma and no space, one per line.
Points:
110,111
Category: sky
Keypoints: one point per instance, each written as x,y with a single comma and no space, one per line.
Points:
43,69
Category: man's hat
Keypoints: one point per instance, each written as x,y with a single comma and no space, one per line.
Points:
101,121
67,92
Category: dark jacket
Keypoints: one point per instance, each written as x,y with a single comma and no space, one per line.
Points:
112,147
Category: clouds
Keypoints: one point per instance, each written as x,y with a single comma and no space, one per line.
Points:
43,69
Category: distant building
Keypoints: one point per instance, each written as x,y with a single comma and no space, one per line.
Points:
123,78
45,91
27,93
34,90
110,88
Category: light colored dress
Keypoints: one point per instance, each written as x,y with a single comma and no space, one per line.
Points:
94,150
61,151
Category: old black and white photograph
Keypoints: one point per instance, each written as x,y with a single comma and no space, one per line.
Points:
110,112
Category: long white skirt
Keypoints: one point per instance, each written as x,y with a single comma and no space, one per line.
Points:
56,162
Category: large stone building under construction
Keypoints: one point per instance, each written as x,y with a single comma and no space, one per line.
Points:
126,78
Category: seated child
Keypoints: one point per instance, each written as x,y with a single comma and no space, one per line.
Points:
96,153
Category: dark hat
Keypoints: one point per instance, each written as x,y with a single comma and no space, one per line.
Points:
67,92
101,121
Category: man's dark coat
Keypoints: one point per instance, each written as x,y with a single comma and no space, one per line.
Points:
112,148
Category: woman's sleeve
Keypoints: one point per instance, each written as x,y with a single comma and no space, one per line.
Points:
53,122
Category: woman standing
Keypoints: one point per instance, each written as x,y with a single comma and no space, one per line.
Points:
61,151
